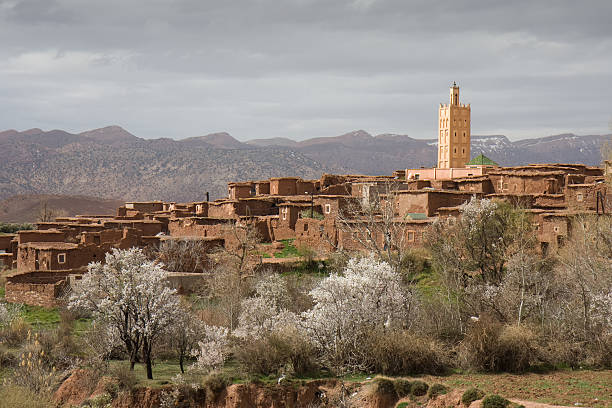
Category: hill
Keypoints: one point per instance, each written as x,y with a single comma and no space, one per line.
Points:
27,208
111,162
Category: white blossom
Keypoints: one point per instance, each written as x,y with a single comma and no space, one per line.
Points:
367,296
130,295
267,311
213,349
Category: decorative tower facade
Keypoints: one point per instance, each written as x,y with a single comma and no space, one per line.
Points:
453,132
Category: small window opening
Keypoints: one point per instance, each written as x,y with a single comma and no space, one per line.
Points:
61,258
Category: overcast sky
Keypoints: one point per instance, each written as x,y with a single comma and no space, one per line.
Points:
305,68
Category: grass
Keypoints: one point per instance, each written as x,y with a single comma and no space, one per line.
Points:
163,372
563,387
289,250
40,317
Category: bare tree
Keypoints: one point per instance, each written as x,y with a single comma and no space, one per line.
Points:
183,255
586,260
374,224
241,244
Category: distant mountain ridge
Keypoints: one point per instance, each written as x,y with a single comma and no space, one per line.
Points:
112,162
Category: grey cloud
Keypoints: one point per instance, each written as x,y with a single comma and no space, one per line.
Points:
304,68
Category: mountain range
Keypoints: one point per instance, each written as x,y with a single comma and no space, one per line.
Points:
113,163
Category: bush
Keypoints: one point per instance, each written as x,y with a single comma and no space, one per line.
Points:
470,395
419,388
495,401
7,359
15,333
402,387
214,384
384,386
489,346
13,396
126,378
436,390
286,351
401,353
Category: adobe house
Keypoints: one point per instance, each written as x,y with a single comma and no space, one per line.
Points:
532,181
283,186
332,206
36,288
240,190
48,256
288,214
428,201
307,187
367,190
553,229
40,236
319,235
481,184
5,242
144,206
262,187
201,209
588,197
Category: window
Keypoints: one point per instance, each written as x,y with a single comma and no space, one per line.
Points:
305,227
61,258
321,228
417,176
556,229
284,212
579,197
327,208
410,236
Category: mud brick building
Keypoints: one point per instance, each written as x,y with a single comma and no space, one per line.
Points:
325,215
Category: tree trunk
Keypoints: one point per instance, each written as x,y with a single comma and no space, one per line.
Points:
181,358
146,354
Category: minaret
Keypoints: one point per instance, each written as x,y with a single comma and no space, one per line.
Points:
453,132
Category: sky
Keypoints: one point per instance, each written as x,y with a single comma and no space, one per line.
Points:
305,68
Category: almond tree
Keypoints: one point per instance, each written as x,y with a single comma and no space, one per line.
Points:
368,296
130,294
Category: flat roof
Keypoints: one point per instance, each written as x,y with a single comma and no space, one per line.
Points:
50,245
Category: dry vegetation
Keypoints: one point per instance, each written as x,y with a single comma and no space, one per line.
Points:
479,300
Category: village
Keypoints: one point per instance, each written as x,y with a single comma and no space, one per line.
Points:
354,213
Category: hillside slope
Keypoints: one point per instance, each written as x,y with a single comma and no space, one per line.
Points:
111,162
27,208
131,168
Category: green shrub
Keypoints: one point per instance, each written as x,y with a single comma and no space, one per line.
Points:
384,386
470,395
495,401
402,353
402,405
311,214
436,390
402,387
419,388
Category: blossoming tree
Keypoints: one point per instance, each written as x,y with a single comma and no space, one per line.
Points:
130,294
